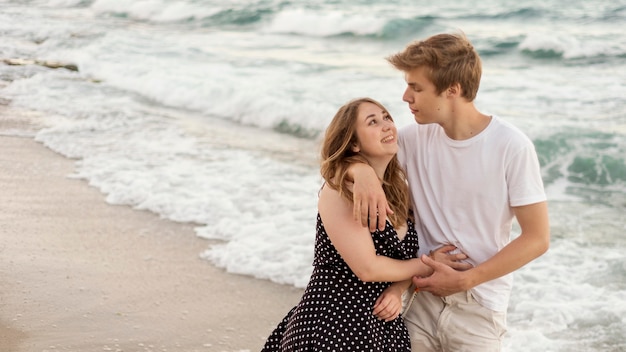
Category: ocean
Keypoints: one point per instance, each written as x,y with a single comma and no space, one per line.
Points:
210,112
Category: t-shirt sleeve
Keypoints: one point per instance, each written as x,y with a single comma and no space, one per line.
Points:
524,178
406,144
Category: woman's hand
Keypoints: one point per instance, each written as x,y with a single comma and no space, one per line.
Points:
445,256
388,306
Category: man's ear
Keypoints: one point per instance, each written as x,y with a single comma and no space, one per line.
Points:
454,90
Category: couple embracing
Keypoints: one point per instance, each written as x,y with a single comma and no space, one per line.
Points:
428,209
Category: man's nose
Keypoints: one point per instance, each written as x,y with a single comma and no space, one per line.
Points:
407,97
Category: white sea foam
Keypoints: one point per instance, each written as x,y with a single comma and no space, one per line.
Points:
326,23
155,10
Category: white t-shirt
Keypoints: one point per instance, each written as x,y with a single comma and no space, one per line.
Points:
463,192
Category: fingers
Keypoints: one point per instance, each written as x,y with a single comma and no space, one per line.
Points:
419,282
455,260
364,216
382,215
373,219
380,304
358,210
423,284
445,248
444,255
379,216
387,308
388,313
461,266
370,206
371,216
460,256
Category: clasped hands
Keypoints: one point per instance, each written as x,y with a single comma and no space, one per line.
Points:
443,281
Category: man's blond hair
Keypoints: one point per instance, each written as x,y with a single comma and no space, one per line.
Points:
450,59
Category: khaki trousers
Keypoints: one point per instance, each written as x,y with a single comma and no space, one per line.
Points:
456,323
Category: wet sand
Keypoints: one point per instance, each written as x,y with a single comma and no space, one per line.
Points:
78,274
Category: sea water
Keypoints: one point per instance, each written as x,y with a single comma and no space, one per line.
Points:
211,111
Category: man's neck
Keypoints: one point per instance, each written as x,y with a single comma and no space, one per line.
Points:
465,122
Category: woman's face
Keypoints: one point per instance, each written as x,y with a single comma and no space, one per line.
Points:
376,133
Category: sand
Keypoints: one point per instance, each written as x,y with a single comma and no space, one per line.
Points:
78,274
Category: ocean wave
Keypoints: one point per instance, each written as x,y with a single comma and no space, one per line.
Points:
60,3
317,23
324,24
406,27
499,46
507,14
203,14
591,164
541,46
154,11
272,17
594,13
296,130
614,14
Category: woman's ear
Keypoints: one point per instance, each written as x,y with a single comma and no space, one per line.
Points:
355,148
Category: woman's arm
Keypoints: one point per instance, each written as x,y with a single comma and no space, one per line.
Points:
389,304
354,243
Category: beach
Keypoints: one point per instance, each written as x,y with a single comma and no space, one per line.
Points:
160,160
78,274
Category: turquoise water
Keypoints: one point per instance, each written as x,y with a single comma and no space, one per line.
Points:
210,113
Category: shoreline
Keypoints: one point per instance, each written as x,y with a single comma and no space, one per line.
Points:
78,274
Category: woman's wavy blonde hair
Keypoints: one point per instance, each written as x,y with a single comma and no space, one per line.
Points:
337,155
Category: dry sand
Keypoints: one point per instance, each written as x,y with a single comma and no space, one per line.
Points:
77,274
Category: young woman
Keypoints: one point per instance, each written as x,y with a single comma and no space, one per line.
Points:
341,309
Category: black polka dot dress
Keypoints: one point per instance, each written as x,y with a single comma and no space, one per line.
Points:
335,313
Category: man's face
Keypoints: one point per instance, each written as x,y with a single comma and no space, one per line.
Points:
426,105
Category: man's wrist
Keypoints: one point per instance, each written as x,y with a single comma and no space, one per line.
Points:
468,279
356,168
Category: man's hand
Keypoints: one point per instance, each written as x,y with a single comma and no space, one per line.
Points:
370,204
444,281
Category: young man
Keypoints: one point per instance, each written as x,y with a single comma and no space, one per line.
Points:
469,175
